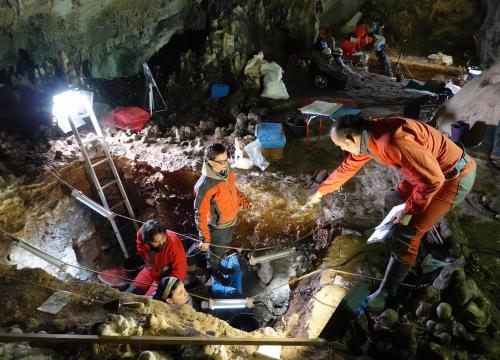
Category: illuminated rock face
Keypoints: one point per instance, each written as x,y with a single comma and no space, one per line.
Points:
113,38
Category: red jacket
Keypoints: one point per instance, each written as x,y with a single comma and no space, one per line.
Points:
420,153
217,200
363,40
172,254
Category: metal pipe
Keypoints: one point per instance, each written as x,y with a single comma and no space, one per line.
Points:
158,340
277,255
41,254
78,195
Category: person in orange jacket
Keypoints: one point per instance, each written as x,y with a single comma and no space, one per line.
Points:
437,175
163,255
216,205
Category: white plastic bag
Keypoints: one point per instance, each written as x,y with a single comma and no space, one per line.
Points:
274,87
254,151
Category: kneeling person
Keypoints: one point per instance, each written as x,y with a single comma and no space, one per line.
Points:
163,255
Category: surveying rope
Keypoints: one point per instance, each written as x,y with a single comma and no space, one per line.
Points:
197,239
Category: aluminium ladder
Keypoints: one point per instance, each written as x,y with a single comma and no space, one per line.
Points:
89,112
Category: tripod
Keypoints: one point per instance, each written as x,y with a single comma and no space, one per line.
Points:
151,83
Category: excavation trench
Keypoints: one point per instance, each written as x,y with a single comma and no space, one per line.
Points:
81,237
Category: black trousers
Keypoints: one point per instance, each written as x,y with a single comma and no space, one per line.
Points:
218,237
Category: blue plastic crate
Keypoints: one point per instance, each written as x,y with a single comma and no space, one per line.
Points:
219,91
270,135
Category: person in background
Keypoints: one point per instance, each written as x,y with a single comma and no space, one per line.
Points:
163,255
437,175
216,206
172,291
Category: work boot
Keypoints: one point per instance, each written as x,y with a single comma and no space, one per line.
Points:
395,273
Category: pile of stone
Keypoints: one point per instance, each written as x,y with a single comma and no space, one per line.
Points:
445,321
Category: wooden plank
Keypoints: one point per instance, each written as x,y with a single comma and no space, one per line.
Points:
158,340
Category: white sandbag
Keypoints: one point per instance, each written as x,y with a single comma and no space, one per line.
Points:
252,68
275,90
271,71
274,87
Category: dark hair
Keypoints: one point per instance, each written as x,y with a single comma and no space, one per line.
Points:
161,288
349,124
213,150
151,228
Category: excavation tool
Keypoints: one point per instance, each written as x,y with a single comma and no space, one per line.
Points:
115,305
399,71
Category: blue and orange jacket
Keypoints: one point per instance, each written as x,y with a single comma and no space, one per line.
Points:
217,200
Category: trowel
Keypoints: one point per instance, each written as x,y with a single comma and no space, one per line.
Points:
115,305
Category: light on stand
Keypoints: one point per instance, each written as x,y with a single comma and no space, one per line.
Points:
226,304
68,106
277,255
78,195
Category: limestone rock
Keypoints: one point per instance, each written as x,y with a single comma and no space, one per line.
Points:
474,318
153,355
424,310
444,311
449,275
265,272
219,133
117,325
465,291
387,319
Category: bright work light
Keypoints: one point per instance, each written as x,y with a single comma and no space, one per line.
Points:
69,106
226,304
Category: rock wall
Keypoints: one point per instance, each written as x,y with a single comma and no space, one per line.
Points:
488,37
113,38
430,25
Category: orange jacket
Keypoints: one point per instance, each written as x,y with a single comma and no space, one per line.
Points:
420,153
217,201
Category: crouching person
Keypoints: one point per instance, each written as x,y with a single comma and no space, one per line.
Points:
172,291
163,255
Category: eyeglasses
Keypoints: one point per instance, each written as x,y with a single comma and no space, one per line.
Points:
220,162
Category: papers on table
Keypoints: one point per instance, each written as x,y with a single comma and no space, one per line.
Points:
385,227
320,108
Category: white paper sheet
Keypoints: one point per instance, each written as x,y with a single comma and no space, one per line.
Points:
320,108
55,302
385,226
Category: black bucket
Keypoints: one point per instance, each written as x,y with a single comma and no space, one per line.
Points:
296,128
245,322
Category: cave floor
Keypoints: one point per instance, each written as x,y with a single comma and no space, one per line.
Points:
159,176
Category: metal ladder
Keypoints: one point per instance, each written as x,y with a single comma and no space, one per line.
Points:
89,112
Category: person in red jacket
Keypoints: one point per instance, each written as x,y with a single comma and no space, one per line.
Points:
216,205
437,175
163,255
353,45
